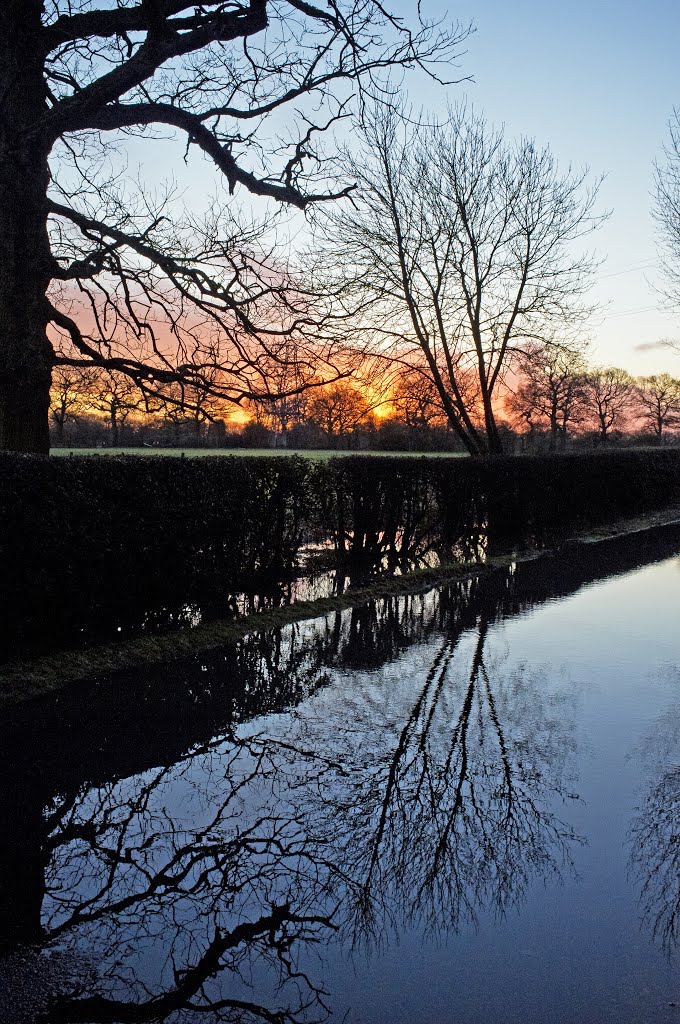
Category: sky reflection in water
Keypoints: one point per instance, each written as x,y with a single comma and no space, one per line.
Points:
460,806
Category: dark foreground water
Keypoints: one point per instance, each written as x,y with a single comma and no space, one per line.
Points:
461,806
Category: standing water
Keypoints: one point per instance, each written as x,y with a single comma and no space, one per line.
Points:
458,806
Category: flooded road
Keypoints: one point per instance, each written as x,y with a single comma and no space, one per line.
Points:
458,806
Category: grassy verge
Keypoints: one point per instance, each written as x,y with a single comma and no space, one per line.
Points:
315,455
23,680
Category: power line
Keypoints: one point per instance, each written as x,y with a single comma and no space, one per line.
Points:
630,270
631,312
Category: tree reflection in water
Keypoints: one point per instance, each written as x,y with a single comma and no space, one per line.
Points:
444,805
199,884
185,875
655,832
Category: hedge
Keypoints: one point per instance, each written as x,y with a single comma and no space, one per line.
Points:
91,546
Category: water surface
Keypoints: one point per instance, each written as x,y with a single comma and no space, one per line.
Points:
456,806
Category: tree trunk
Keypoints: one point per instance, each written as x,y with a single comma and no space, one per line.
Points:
26,355
59,420
114,426
22,865
494,443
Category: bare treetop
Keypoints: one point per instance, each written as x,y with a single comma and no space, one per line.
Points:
167,62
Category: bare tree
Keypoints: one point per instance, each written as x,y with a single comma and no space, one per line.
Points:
93,270
658,398
550,393
609,394
287,382
416,399
115,396
666,209
461,244
68,396
430,784
655,857
338,409
653,835
190,409
192,404
228,899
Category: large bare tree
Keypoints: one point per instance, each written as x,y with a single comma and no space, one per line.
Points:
94,271
415,399
338,409
464,247
68,397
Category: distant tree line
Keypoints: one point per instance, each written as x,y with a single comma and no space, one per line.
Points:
559,397
551,400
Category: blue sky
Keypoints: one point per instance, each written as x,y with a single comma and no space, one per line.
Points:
597,81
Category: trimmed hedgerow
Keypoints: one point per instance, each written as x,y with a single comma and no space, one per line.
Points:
511,499
94,545
83,538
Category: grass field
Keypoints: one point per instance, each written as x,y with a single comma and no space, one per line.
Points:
315,455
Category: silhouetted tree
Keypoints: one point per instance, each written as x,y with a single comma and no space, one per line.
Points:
191,407
95,271
448,801
658,398
462,245
655,831
286,375
337,409
68,396
114,395
656,858
416,399
550,393
227,895
609,395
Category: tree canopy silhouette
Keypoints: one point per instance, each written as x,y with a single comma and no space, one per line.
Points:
94,270
463,247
